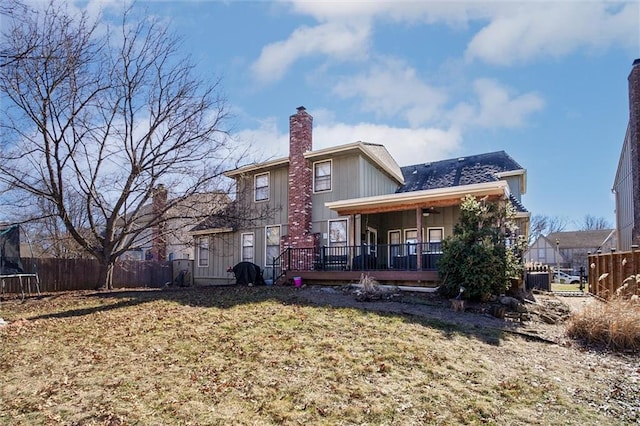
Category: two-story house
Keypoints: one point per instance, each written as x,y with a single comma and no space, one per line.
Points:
332,213
626,185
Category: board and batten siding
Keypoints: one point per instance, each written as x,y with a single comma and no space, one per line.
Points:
353,176
279,200
623,187
222,247
278,196
374,181
514,186
446,218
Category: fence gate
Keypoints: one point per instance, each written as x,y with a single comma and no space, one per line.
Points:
538,277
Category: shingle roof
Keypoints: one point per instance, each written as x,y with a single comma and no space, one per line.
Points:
517,204
581,239
469,170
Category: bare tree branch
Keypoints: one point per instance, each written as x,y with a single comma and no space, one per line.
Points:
545,225
96,120
593,223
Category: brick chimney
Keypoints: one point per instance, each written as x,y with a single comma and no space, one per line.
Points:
159,242
634,130
300,182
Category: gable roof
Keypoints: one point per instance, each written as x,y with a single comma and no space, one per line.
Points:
474,169
376,153
581,239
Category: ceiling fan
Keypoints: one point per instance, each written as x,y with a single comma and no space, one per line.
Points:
426,211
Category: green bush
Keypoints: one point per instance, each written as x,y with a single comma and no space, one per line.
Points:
484,252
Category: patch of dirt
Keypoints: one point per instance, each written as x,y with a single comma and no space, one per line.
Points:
544,321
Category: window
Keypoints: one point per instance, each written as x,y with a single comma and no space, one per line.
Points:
411,240
272,242
395,245
435,237
203,252
338,233
338,240
262,187
322,176
247,247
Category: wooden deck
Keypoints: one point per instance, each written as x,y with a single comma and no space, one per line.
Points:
397,277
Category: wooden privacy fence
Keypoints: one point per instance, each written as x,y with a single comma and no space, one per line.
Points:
82,274
607,271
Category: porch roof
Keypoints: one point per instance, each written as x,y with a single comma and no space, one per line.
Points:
440,197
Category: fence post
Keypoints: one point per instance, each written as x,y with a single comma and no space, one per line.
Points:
599,269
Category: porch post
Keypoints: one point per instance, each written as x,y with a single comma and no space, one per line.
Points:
419,247
356,221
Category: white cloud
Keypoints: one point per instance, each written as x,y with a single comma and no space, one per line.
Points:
265,143
406,145
523,32
393,88
510,32
452,13
338,40
495,106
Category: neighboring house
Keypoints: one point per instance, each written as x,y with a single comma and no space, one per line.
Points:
569,250
328,214
171,239
626,185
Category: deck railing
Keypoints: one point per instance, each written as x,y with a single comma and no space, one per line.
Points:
359,258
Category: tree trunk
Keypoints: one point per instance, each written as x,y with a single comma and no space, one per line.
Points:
105,276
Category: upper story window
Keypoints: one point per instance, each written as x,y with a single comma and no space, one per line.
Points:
261,185
322,176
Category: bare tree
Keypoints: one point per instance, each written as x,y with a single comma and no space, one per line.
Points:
593,223
97,117
545,225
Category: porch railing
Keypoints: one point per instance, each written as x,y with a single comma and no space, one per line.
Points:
359,258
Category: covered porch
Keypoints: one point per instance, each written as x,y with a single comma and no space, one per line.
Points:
387,263
395,238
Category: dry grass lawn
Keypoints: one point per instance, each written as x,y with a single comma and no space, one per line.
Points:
263,356
569,287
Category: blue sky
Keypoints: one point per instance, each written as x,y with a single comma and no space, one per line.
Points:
544,81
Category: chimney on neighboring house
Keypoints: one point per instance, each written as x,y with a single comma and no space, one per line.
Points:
634,130
159,239
300,182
